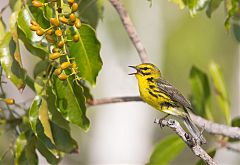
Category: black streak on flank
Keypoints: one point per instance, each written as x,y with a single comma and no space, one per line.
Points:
151,86
166,104
150,79
152,94
145,74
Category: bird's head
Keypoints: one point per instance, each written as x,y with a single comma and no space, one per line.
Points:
146,70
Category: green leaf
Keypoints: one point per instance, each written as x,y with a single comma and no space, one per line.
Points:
40,67
90,11
2,29
232,8
167,150
52,130
48,12
30,82
236,122
180,3
37,45
44,119
71,102
195,5
9,63
236,31
201,95
56,117
212,6
211,153
49,156
24,23
100,7
19,147
34,112
86,91
38,15
34,49
25,149
39,121
63,140
220,90
44,138
61,137
15,5
87,54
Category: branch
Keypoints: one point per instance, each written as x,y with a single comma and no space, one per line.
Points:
215,128
131,31
192,144
113,100
209,126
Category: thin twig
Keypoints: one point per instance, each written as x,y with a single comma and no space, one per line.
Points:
209,126
113,100
191,142
225,144
231,148
132,33
215,128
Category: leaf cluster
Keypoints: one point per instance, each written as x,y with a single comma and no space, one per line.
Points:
45,125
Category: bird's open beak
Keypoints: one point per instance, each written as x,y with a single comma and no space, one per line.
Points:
134,68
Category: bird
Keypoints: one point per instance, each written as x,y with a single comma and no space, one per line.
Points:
163,96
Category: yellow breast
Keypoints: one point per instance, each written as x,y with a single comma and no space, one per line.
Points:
151,94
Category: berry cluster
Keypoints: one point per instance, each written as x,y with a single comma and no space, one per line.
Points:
56,35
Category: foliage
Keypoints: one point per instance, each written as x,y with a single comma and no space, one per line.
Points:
166,150
62,35
210,6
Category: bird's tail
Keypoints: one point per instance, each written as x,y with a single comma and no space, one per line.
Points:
194,131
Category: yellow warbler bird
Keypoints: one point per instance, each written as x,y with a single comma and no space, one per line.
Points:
163,96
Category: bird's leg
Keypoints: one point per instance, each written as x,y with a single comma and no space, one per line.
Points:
160,121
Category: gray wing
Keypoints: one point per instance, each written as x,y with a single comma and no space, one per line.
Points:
169,90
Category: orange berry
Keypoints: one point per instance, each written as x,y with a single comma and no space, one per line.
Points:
60,44
34,27
78,23
65,65
37,3
74,7
58,33
76,38
62,76
70,2
54,22
58,71
49,32
72,17
9,101
74,65
40,32
54,56
63,20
